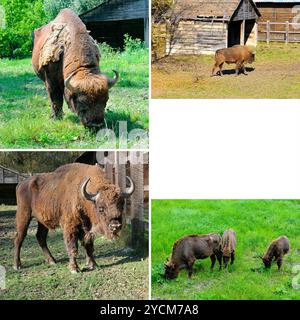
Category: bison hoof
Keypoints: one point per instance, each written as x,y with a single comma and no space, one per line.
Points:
50,260
75,271
18,267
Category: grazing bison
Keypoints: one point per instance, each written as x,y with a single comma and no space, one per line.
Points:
76,197
228,246
66,58
189,248
277,249
240,55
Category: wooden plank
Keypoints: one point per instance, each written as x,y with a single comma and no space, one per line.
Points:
116,10
137,204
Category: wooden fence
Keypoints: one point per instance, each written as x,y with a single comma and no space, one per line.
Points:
287,32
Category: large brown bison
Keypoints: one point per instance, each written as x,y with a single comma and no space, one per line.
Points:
189,248
276,250
240,55
76,197
66,58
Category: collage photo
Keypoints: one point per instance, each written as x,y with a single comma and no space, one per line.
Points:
149,151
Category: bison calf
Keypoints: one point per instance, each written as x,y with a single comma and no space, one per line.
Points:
277,249
228,244
240,55
189,248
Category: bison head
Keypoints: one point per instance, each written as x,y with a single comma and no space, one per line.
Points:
251,58
107,206
88,96
267,262
226,257
171,272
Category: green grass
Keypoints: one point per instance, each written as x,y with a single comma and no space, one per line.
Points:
25,108
275,76
122,274
256,223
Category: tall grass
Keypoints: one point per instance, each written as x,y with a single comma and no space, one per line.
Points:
256,223
25,108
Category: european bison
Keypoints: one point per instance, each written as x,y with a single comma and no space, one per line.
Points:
240,55
66,58
228,246
76,197
277,249
189,248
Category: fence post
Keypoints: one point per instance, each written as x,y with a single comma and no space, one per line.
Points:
268,31
137,202
109,166
287,28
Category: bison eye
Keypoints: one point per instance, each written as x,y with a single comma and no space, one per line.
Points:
101,209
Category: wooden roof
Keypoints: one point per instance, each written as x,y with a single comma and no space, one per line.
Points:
115,10
225,9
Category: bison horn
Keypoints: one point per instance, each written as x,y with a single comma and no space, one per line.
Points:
68,82
129,191
113,81
87,195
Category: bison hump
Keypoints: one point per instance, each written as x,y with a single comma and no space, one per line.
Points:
55,43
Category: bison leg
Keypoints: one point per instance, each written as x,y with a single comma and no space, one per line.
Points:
72,249
219,257
190,264
220,67
279,263
232,258
244,70
88,243
213,69
22,223
41,236
213,261
56,97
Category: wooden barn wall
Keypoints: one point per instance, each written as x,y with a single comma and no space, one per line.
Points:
8,194
118,10
194,37
245,11
113,32
277,12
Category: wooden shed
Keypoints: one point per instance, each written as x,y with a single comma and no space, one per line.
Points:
206,26
9,180
111,20
279,20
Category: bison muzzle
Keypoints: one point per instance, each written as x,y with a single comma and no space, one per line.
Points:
76,197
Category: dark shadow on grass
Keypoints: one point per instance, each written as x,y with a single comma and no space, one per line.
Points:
229,72
112,118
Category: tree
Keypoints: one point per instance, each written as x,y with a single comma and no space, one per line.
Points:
52,7
21,18
36,162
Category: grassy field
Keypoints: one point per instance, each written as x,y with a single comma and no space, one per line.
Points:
122,274
275,76
25,108
256,223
